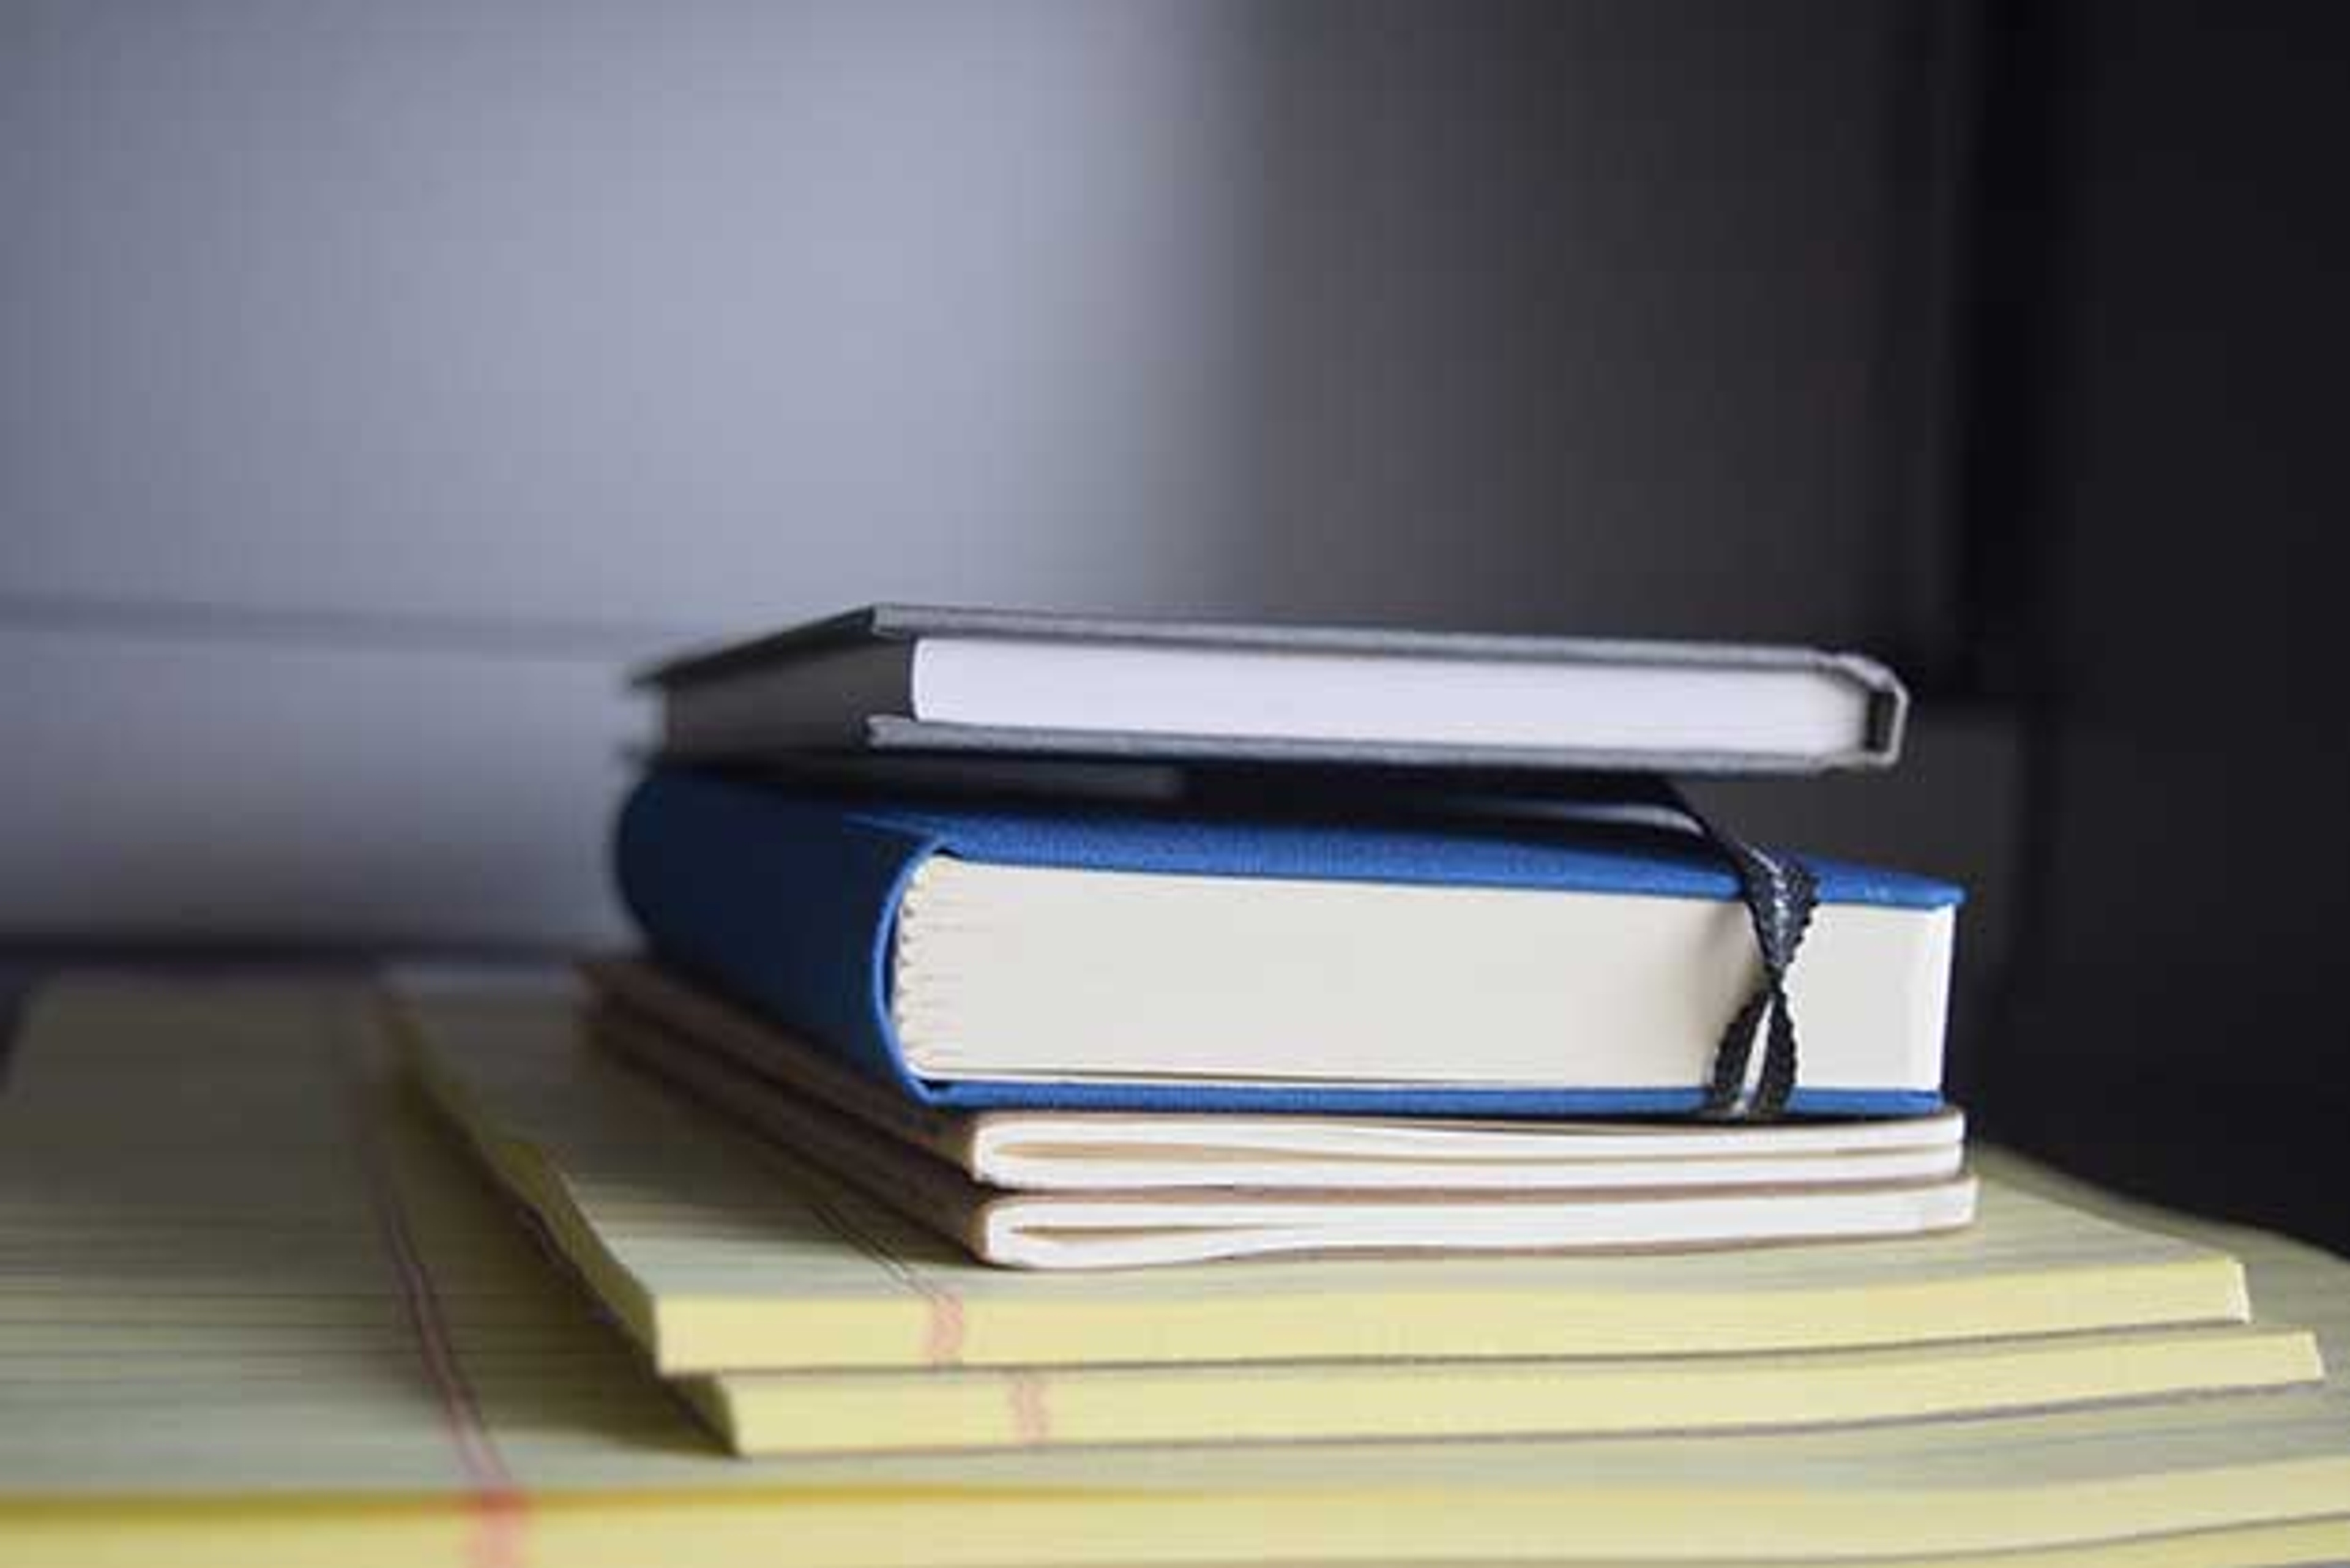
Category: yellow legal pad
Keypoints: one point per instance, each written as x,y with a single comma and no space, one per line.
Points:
956,1408
258,1310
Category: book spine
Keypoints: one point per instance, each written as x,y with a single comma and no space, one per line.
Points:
786,907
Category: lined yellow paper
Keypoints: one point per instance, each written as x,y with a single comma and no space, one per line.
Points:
888,1411
210,1221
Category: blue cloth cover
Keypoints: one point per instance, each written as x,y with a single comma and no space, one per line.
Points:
786,902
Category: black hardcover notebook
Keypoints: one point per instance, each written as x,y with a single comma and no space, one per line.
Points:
910,680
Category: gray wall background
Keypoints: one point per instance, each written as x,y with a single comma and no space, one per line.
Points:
380,381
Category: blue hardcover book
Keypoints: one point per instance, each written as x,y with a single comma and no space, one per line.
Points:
1050,957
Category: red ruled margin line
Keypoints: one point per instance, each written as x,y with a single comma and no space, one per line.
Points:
500,1508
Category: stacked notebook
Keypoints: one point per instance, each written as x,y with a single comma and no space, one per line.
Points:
1237,1038
1327,942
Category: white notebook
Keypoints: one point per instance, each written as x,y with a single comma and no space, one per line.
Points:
1142,1227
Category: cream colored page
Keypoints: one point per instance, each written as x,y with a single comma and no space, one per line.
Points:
216,1111
1158,976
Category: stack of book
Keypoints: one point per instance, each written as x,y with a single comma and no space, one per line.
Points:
1098,1094
1311,994
1545,1107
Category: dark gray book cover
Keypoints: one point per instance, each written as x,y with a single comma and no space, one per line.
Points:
866,710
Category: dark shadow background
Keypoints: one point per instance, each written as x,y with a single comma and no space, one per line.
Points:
2152,496
377,386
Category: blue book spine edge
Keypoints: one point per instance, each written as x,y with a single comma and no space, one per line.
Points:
716,875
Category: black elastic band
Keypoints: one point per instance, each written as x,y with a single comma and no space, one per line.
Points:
1780,894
